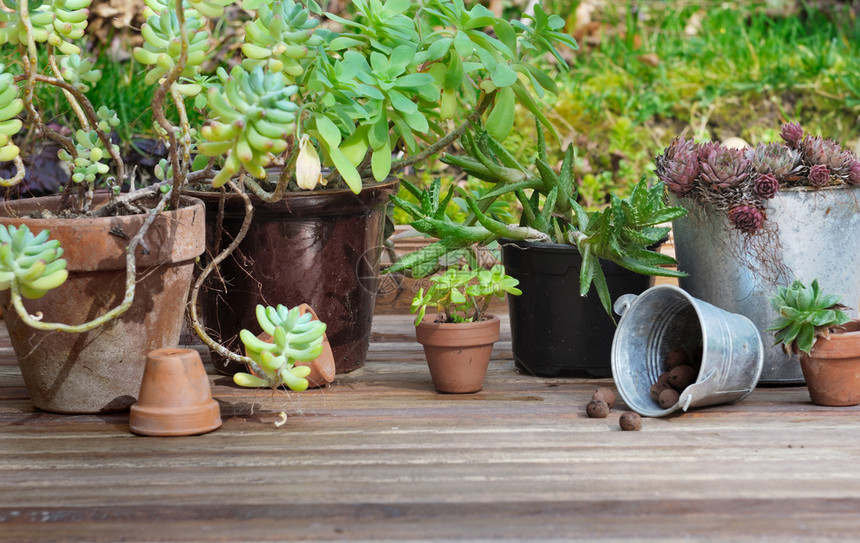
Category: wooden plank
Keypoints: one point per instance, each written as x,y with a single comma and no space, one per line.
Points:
379,455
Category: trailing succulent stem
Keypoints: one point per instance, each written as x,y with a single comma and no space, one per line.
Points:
623,233
805,314
294,338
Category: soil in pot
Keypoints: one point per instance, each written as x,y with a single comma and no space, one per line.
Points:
101,370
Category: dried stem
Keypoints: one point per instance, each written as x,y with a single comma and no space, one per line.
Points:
195,320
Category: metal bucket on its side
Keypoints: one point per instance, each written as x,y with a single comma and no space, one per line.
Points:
664,318
810,234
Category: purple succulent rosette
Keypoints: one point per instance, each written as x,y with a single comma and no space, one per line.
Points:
739,182
819,176
766,186
791,133
746,218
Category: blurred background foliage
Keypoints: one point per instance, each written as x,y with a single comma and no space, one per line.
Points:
645,72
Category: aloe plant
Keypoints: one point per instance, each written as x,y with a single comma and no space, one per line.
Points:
805,314
623,232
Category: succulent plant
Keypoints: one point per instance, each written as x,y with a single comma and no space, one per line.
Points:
724,168
765,186
854,174
10,107
746,218
792,134
295,338
819,176
678,166
779,160
805,314
281,37
30,264
826,152
463,295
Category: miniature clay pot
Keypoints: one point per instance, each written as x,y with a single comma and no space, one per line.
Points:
832,368
175,398
458,354
322,367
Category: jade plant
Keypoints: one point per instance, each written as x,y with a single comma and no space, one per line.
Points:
398,84
739,182
805,314
294,338
463,295
623,232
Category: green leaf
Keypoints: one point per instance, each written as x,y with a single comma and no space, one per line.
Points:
806,338
381,163
328,131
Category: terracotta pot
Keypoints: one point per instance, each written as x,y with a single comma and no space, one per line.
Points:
100,370
321,248
832,368
175,397
322,367
458,353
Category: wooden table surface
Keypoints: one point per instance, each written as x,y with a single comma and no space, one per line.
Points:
380,456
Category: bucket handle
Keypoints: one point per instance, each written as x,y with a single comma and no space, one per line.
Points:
687,396
623,303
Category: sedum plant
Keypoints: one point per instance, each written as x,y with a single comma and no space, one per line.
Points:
463,295
739,182
294,338
398,84
30,265
623,232
805,314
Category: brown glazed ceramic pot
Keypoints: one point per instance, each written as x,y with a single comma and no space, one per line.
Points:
100,370
458,354
175,397
832,368
319,247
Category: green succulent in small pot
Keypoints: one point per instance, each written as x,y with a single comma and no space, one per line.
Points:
805,314
815,325
458,343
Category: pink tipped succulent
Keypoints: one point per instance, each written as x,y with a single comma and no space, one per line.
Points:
819,176
766,186
792,133
724,168
746,218
678,166
854,173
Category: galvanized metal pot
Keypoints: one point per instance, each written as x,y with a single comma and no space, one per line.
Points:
664,318
809,234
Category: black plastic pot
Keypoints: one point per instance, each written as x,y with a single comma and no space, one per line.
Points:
554,330
321,248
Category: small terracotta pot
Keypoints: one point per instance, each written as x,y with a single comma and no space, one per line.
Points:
322,367
175,397
832,368
458,353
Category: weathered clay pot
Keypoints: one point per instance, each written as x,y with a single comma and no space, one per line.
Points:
458,354
175,397
100,370
320,247
832,368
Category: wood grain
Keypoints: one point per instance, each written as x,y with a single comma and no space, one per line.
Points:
380,456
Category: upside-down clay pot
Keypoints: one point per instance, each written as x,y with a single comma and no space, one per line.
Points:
318,247
458,354
832,368
322,367
175,397
100,370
